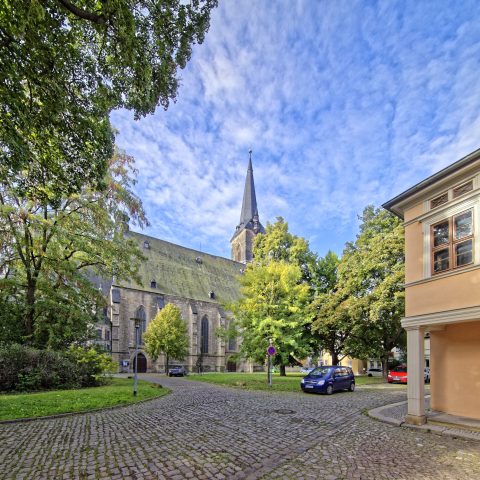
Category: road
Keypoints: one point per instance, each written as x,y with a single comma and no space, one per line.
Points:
202,431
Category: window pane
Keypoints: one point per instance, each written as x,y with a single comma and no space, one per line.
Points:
440,234
463,225
441,260
463,252
460,190
436,202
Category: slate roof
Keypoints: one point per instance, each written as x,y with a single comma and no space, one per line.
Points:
184,272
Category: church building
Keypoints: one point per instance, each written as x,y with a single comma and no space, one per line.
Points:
197,283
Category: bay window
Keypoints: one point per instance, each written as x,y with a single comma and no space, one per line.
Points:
452,245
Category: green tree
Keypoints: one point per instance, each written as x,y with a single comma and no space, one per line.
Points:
332,326
278,244
360,316
167,334
272,306
66,64
372,272
51,248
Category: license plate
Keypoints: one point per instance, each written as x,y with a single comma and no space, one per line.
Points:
308,386
396,378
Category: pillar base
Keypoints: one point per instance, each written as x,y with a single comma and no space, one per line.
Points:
416,419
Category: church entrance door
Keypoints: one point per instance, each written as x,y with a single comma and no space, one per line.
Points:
231,366
142,363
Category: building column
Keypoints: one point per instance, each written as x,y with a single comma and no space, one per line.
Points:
416,381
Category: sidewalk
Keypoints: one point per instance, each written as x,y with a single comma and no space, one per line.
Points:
437,422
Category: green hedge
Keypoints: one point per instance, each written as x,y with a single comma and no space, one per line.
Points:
27,369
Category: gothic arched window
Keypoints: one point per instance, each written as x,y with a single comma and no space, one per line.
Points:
204,336
140,313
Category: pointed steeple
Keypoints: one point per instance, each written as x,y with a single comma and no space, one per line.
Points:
249,226
249,205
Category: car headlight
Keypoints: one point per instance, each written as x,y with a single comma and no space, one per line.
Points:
302,381
321,382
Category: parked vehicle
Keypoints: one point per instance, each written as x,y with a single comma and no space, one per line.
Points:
328,379
306,370
374,372
399,375
177,371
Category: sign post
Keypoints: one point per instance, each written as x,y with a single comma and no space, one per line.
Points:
271,352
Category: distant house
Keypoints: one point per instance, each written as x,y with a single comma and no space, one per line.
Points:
442,255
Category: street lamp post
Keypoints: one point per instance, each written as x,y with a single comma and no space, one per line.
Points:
135,359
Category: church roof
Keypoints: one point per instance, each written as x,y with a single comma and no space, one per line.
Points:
249,216
185,272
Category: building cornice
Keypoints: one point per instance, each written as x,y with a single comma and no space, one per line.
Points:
396,204
448,317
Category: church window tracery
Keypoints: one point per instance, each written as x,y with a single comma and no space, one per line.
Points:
140,313
204,335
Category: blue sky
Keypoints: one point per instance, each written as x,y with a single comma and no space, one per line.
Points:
344,103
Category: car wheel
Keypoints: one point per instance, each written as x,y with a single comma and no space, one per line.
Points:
369,374
352,387
169,374
329,389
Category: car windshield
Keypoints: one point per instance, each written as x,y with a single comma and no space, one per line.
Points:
319,372
400,369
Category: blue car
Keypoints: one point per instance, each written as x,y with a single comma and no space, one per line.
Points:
328,380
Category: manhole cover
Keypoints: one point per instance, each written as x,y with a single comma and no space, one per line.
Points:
284,411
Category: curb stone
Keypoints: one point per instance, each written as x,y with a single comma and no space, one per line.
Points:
377,414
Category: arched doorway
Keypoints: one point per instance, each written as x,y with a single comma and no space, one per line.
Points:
142,363
231,366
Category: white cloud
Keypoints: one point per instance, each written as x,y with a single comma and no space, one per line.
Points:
344,104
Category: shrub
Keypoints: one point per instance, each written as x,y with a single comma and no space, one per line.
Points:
94,368
27,369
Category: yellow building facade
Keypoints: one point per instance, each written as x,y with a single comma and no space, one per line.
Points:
442,288
359,367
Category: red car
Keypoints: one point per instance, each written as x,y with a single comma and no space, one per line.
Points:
397,375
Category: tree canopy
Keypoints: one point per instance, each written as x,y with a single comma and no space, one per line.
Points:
272,306
51,250
66,64
278,244
167,334
360,316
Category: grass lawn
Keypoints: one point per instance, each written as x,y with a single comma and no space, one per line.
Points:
258,381
118,392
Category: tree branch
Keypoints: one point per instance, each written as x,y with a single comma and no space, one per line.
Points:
92,17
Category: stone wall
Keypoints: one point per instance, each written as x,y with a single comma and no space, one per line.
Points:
124,303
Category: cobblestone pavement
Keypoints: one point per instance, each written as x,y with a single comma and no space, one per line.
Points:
201,431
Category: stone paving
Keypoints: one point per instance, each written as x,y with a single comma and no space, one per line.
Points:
201,431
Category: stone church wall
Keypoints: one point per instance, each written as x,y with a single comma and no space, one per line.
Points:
192,311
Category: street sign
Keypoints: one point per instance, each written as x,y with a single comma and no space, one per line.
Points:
271,350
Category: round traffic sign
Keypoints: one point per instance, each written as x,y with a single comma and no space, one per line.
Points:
271,350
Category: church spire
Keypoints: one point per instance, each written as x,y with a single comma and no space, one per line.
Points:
249,226
249,205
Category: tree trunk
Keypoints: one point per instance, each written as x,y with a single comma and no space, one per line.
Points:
334,356
385,358
282,371
166,364
30,310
